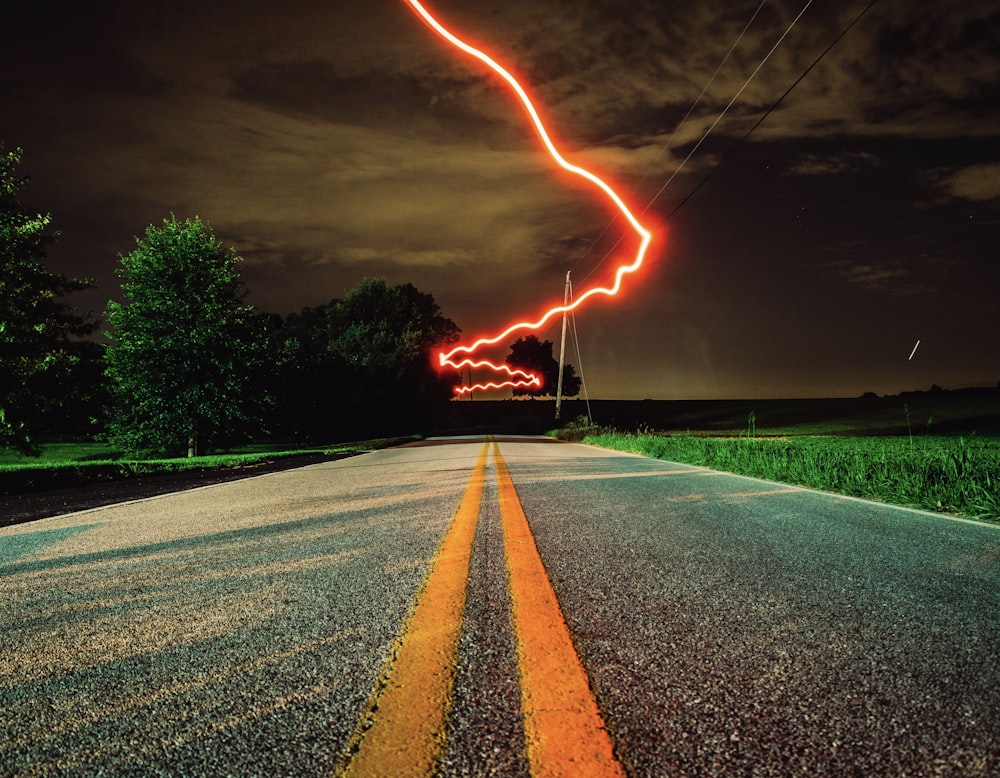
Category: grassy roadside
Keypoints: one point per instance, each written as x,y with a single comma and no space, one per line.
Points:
959,475
71,464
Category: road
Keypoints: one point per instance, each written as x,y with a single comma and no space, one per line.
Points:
527,607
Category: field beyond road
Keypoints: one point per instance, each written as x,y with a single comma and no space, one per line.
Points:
949,474
938,451
961,412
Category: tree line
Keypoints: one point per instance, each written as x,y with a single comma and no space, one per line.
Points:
187,363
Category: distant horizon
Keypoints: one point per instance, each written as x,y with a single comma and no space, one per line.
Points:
903,392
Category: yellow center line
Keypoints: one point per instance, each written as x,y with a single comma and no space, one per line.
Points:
411,703
564,731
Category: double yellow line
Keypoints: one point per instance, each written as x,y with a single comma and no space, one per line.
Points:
402,731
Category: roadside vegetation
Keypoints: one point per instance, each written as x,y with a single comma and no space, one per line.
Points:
180,361
66,464
954,474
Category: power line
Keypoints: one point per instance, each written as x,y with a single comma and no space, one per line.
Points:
730,105
579,362
707,132
726,156
677,129
766,113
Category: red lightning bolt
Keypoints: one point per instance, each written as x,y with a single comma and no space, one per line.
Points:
521,378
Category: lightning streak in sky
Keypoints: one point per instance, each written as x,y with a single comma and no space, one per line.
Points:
520,378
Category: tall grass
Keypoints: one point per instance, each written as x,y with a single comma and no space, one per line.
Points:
956,475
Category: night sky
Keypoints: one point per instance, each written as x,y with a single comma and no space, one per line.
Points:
330,141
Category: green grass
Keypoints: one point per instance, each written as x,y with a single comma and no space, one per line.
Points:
958,475
75,454
61,452
173,464
67,464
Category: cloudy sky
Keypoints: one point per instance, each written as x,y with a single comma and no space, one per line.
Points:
330,141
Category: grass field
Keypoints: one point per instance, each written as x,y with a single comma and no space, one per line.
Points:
952,474
938,451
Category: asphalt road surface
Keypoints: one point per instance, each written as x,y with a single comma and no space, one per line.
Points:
514,608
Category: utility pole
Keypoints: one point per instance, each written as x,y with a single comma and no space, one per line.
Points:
562,347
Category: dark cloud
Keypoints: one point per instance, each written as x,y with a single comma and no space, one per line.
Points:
833,164
381,99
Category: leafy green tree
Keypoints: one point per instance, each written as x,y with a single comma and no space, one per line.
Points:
387,329
531,354
183,345
362,365
83,409
385,337
39,331
305,376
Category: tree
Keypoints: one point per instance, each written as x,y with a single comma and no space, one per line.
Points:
357,366
531,354
38,352
182,346
384,337
304,374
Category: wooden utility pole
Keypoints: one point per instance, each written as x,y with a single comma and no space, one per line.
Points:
562,347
